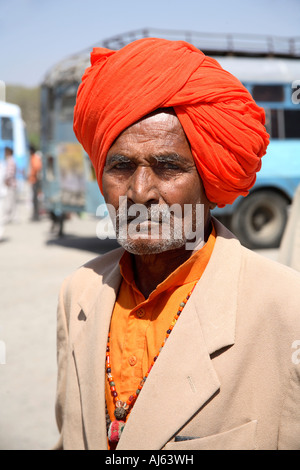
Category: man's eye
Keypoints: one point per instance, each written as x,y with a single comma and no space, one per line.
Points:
122,166
167,166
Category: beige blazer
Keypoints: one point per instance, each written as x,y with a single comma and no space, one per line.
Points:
228,377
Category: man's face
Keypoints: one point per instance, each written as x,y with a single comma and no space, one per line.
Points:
151,165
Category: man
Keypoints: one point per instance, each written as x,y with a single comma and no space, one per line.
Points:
182,338
34,179
11,186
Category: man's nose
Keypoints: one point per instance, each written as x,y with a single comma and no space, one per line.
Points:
142,187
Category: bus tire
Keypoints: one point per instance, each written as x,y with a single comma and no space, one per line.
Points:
260,219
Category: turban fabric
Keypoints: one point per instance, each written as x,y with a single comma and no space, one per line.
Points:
223,124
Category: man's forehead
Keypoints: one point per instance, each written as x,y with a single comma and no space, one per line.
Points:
162,115
159,126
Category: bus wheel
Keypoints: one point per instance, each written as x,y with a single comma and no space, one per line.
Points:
259,221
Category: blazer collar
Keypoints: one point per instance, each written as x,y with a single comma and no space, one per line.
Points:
183,378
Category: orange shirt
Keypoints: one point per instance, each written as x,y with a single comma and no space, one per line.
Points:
139,325
35,168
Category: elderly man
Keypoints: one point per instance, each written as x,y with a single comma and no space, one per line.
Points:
185,341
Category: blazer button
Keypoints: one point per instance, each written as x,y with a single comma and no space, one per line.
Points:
140,313
132,360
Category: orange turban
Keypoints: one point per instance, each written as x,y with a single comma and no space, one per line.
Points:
223,124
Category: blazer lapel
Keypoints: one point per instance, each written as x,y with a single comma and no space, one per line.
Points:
90,352
180,382
183,378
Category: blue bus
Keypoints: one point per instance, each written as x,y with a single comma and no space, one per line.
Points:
268,67
260,218
69,182
13,135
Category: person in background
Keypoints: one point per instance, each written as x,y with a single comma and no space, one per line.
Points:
11,186
34,179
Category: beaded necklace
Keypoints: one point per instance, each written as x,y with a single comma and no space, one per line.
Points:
123,408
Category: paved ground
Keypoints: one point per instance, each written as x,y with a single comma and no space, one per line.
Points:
33,265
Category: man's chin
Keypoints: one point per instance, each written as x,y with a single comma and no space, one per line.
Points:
145,246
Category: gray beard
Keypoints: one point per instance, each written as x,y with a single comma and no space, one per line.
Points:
169,234
143,247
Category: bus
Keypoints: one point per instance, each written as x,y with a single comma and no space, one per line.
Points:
268,68
259,219
69,182
13,135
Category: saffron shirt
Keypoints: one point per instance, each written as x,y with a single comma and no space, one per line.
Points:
138,325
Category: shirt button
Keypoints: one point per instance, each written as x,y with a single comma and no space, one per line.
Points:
140,313
132,360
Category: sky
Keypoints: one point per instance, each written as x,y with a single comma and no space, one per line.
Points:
37,34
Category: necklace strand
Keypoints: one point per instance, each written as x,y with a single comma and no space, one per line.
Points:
122,408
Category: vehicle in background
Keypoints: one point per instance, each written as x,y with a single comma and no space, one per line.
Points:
266,66
69,181
259,219
13,135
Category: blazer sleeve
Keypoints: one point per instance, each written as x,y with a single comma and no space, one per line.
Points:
62,353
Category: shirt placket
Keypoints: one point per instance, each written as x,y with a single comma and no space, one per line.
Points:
134,346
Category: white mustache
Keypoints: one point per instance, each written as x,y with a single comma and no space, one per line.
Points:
158,213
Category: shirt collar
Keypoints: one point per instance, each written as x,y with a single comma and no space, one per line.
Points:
190,271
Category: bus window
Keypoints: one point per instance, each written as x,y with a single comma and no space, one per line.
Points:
6,129
67,107
292,123
273,93
272,122
283,124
